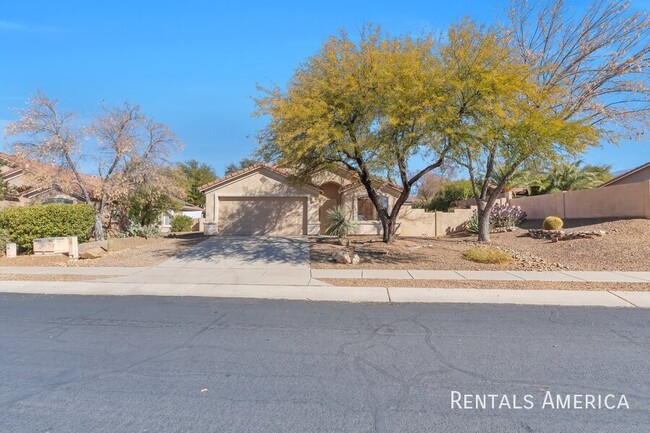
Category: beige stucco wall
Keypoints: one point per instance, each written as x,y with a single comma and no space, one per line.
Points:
263,183
419,223
627,200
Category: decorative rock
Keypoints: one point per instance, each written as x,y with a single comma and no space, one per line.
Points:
93,253
346,258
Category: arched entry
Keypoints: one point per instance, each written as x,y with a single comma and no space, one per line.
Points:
333,198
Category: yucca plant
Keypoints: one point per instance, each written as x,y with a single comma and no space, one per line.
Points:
341,225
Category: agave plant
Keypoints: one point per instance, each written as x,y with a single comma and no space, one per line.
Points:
341,225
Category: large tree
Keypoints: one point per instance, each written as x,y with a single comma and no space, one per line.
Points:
128,149
510,119
243,163
368,107
196,174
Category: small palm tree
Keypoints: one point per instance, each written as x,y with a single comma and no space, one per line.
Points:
574,176
340,224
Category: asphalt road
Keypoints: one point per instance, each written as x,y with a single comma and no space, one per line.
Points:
149,364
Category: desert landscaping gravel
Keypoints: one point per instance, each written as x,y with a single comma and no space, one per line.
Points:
625,247
478,284
123,252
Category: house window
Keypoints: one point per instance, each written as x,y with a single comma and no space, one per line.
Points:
366,210
167,221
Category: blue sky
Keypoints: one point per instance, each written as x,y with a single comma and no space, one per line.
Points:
194,65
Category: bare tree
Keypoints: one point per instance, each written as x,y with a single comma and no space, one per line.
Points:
601,56
130,151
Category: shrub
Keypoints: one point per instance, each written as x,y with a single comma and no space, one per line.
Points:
340,224
502,216
449,193
181,223
27,223
488,255
136,229
5,237
553,223
505,216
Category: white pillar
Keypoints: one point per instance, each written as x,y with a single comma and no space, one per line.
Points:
11,249
73,247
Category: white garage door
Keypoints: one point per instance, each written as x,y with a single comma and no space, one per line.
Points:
278,216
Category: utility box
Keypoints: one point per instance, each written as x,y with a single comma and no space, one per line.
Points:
51,246
11,249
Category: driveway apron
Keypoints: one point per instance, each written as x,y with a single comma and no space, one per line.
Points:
234,260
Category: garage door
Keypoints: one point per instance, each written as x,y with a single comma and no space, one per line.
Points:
262,216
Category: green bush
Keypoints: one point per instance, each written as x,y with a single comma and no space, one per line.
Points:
5,237
553,223
449,193
138,230
27,223
340,224
491,256
181,223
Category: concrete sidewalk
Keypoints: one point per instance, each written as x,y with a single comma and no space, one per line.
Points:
294,275
335,293
576,276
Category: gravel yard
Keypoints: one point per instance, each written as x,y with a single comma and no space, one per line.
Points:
478,284
625,247
123,252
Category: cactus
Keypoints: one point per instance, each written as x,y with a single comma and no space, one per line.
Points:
553,223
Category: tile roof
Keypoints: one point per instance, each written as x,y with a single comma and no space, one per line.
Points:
249,169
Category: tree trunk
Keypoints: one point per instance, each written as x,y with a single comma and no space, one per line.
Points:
483,224
99,227
389,227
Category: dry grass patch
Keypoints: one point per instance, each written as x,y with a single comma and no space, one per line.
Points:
491,256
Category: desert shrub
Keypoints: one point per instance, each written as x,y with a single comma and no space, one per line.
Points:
137,229
340,224
553,223
449,193
505,216
181,223
26,223
502,216
488,255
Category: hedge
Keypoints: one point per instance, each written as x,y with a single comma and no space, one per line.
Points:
27,223
181,223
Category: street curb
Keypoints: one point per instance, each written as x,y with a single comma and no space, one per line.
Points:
620,299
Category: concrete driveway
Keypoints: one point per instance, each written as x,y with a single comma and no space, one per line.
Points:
235,260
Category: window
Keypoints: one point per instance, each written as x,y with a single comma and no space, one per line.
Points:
167,221
366,210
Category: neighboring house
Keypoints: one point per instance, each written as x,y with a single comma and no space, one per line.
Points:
260,200
638,174
33,182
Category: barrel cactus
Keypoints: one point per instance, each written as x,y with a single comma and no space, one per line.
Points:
553,223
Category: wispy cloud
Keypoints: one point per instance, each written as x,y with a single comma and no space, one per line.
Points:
10,26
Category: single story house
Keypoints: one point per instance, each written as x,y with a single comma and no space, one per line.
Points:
638,174
261,200
186,209
32,182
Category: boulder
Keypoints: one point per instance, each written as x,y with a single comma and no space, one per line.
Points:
345,258
93,253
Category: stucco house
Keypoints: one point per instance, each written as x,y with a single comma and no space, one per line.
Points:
26,188
260,200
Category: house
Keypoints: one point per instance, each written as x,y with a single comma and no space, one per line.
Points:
638,174
32,182
261,200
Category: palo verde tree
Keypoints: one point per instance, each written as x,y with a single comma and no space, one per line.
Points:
508,118
129,150
368,107
583,78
